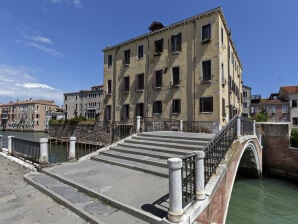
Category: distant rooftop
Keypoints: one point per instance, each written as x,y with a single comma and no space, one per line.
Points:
290,89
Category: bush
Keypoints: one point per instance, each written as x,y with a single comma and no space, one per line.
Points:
294,138
261,117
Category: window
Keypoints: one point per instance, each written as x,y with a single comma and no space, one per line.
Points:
37,115
125,112
175,76
125,87
206,65
284,119
273,108
157,107
158,79
140,109
222,74
245,105
206,32
110,60
176,42
294,103
140,52
108,112
206,104
65,97
223,106
295,120
176,106
158,46
284,109
222,35
109,87
272,119
140,82
127,57
66,107
244,94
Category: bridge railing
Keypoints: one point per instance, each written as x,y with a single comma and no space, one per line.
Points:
25,149
197,168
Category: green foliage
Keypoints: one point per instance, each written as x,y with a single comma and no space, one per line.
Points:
294,138
261,117
72,121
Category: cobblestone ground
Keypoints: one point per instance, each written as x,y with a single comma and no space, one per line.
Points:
21,203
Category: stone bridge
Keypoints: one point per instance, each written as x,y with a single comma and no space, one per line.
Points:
157,177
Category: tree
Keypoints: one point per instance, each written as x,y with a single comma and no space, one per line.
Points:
294,138
261,117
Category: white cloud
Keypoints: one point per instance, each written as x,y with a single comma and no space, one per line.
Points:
17,83
76,3
41,39
41,47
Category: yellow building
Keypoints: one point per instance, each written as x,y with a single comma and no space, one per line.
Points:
189,70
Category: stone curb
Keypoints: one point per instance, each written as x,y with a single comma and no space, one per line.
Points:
89,217
122,206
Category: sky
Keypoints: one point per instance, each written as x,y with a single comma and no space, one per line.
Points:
51,47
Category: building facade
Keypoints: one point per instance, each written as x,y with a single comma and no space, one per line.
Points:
87,103
290,93
246,100
189,70
26,115
274,106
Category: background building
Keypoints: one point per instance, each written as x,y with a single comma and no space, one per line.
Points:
275,107
87,103
189,70
246,100
26,115
290,93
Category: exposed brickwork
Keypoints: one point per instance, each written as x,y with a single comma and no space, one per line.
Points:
279,158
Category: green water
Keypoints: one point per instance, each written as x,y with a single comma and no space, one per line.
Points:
264,201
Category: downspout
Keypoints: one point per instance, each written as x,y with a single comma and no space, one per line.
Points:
229,90
194,69
146,94
114,85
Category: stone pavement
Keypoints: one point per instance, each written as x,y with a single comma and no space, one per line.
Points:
21,203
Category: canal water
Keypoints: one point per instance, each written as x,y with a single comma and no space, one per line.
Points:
263,201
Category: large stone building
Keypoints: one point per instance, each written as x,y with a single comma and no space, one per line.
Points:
189,70
87,103
290,93
26,115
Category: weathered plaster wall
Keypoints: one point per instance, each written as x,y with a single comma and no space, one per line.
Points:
66,130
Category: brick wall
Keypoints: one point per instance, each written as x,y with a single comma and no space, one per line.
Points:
278,158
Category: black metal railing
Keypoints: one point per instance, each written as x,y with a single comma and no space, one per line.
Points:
247,126
25,149
85,148
58,150
217,147
188,178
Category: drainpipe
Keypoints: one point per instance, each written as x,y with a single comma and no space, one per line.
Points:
114,86
194,70
147,89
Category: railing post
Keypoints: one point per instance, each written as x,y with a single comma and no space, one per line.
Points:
138,124
175,213
181,125
200,175
72,148
9,145
238,126
1,137
254,128
44,155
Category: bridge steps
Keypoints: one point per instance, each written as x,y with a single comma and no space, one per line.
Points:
149,152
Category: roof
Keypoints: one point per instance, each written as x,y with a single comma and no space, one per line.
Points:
270,102
290,89
26,102
246,87
174,25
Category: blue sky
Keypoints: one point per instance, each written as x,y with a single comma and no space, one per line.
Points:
48,47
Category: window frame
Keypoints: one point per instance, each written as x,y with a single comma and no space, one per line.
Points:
109,87
138,86
176,42
156,74
210,70
142,55
158,46
157,107
127,57
126,84
138,109
125,112
176,102
110,60
108,112
176,72
209,34
202,107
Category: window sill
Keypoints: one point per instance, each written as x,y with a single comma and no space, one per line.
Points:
206,41
125,91
157,54
140,59
207,81
156,114
109,94
140,90
175,114
175,85
125,65
175,52
157,88
206,112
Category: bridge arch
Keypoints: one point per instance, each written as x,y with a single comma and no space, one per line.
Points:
248,151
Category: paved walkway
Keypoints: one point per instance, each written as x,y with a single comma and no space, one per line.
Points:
21,203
